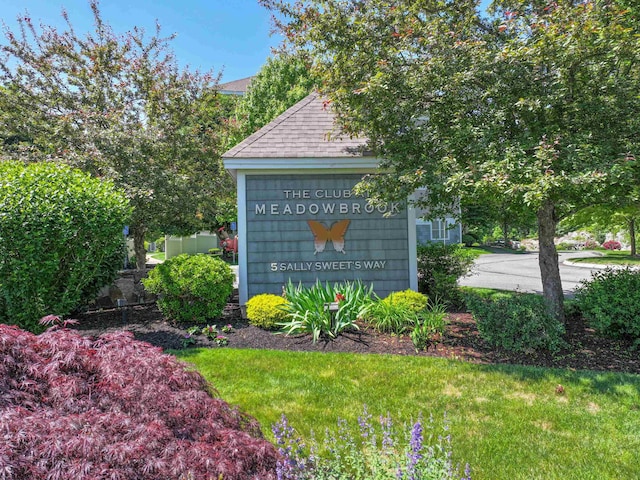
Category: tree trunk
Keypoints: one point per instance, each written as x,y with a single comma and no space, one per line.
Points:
138,233
548,260
632,236
505,233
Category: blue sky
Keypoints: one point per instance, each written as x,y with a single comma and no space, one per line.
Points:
228,35
232,36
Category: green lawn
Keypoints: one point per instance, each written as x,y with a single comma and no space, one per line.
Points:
507,422
611,258
158,256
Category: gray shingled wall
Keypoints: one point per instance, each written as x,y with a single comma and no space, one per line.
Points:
280,243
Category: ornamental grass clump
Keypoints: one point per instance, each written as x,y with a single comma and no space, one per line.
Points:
73,407
310,309
191,288
382,451
397,313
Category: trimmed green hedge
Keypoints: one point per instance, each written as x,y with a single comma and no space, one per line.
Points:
191,288
60,240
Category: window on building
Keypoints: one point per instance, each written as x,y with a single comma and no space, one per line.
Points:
439,230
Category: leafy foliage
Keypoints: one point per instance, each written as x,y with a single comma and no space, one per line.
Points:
119,107
60,240
281,83
612,245
517,322
114,407
191,288
391,317
309,310
266,310
439,267
381,452
610,302
413,300
535,103
429,326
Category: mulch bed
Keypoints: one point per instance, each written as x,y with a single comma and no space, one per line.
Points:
585,351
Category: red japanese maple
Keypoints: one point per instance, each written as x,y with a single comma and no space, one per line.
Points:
116,408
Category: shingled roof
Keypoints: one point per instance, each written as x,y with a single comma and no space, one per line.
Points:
306,130
236,87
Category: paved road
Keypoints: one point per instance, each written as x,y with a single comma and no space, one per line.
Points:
521,272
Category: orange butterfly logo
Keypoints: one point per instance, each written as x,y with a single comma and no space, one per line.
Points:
322,234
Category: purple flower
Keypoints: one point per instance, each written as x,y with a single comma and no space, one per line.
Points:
414,456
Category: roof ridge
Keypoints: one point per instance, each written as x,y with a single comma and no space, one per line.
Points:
289,112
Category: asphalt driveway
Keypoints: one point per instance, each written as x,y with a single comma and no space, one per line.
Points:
521,272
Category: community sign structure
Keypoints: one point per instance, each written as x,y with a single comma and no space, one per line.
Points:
298,217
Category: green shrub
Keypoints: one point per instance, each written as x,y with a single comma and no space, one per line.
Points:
191,288
60,240
265,310
565,246
610,302
415,301
439,268
516,322
308,312
469,239
391,317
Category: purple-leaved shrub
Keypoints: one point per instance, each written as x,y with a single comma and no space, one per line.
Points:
114,408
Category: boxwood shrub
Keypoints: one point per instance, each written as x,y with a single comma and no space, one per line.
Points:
191,288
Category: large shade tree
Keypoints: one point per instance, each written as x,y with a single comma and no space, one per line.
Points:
535,103
119,107
282,81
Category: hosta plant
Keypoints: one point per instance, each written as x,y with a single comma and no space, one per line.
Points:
78,408
325,309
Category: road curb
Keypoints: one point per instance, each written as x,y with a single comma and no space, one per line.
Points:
598,266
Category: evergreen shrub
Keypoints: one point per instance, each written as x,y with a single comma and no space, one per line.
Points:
60,240
415,301
610,302
516,322
265,310
439,268
191,288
